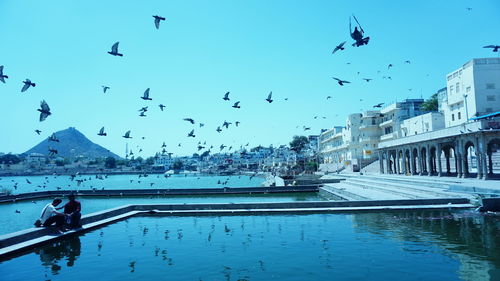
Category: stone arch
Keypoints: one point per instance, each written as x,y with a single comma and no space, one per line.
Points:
433,162
423,153
470,163
493,158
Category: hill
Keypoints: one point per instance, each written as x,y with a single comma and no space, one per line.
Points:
72,143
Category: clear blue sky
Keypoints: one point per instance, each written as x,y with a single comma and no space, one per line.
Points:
205,48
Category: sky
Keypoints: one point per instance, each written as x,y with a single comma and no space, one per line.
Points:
205,48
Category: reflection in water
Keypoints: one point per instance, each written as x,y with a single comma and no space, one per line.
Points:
473,238
51,254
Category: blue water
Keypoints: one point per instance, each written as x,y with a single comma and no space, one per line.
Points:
87,182
399,246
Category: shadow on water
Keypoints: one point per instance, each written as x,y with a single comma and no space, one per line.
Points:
472,237
67,250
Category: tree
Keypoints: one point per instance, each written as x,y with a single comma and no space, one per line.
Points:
150,161
205,154
9,159
177,165
431,104
299,143
311,166
110,163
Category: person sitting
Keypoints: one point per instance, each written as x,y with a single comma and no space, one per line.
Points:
50,215
73,209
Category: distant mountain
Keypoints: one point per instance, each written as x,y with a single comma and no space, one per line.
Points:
72,143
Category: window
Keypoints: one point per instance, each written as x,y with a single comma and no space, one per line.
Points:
451,89
468,89
490,98
449,77
453,117
490,86
459,115
457,87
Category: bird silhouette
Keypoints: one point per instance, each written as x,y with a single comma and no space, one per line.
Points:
142,114
226,96
201,124
44,110
269,97
378,105
143,109
219,129
222,146
53,138
367,79
127,135
2,76
161,107
390,65
407,62
494,47
341,82
191,134
102,133
52,151
114,50
226,124
105,88
237,123
38,131
157,21
27,84
145,96
328,97
163,145
236,105
190,120
339,47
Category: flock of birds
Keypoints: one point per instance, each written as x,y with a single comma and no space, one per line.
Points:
45,110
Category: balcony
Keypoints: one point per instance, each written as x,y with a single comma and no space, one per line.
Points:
387,137
386,123
367,127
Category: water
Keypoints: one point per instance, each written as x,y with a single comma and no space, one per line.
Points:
417,245
12,221
88,182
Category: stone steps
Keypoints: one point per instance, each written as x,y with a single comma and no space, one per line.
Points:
353,192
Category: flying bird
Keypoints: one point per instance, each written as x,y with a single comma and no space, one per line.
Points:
367,79
379,105
339,47
127,135
236,105
226,96
53,138
390,65
52,151
328,97
269,97
145,96
341,82
105,88
114,50
142,114
102,133
161,107
27,84
44,110
38,131
144,109
407,61
191,134
2,76
219,129
494,47
157,21
226,124
237,123
189,120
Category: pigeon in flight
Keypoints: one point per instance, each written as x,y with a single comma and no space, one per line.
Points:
390,65
114,50
219,129
226,124
53,138
407,61
339,47
105,88
2,76
226,96
237,123
157,21
127,135
163,145
161,107
142,114
269,97
102,133
494,47
222,146
27,84
367,79
236,105
52,151
146,95
328,97
379,105
144,109
307,128
44,110
191,134
189,120
38,131
341,82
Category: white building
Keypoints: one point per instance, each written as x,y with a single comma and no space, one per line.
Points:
473,90
428,122
395,114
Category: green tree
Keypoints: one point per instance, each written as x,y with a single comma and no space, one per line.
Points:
150,161
431,104
9,159
311,166
177,165
110,163
299,143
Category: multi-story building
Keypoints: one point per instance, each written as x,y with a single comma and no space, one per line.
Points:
395,114
473,90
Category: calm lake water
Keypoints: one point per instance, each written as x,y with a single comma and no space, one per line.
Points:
87,182
416,245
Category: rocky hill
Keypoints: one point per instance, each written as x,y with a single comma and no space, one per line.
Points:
72,143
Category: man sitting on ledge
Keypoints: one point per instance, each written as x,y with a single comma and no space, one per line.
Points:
73,209
50,215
